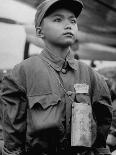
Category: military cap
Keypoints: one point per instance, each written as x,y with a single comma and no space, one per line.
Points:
48,6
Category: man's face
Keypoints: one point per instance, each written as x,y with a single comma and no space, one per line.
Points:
60,28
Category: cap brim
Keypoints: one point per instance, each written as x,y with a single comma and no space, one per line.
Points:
73,5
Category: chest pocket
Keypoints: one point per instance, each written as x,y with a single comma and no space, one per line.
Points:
44,112
83,98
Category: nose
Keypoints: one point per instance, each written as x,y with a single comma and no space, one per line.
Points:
68,26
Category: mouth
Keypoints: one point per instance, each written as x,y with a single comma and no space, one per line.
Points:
68,34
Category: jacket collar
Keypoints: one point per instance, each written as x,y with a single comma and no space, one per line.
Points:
58,62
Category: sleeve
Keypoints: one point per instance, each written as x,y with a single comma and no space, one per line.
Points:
14,102
102,109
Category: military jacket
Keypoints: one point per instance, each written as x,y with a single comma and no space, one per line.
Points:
37,96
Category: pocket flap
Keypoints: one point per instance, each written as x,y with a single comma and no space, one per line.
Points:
44,100
84,98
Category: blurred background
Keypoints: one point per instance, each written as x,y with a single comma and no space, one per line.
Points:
96,43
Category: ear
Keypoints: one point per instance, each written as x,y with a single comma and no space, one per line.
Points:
39,32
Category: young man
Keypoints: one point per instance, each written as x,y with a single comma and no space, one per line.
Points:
39,93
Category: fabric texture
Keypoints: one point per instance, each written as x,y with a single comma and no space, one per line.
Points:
37,112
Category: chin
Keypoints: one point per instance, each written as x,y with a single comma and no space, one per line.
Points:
68,41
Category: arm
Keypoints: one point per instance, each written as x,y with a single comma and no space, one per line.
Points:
14,104
102,109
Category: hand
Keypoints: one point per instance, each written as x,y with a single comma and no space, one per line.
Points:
111,140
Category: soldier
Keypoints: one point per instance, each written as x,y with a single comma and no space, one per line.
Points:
39,94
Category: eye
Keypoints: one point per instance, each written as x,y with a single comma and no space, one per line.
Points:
74,21
57,19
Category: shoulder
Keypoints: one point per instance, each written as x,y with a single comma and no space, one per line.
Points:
34,60
25,71
94,75
82,64
27,68
83,67
29,64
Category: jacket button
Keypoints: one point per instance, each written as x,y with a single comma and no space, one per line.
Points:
69,93
63,71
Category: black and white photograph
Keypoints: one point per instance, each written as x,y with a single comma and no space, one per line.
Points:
57,77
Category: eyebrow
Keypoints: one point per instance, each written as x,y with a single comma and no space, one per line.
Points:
61,15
